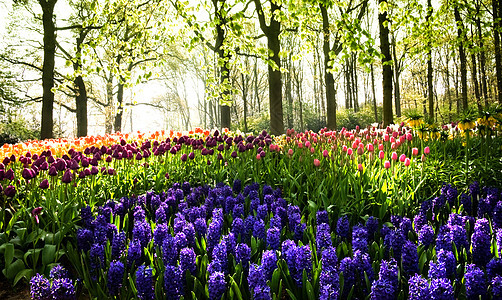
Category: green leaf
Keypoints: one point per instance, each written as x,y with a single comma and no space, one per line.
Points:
26,274
9,254
13,269
49,254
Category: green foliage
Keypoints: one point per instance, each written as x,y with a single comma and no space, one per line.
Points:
364,117
17,130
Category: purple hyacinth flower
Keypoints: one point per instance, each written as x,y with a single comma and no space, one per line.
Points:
216,285
475,283
40,287
144,283
115,277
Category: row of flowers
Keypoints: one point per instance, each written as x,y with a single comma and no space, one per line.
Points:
248,242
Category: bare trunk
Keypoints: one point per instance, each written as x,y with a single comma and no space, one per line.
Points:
430,90
47,125
375,109
462,57
328,76
81,99
397,88
109,101
388,117
496,43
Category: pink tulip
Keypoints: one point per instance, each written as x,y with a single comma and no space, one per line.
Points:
35,212
290,152
394,156
312,150
381,154
423,157
414,151
344,148
360,167
307,144
258,156
427,150
300,145
360,151
325,153
402,157
380,146
349,151
407,162
317,163
386,137
409,137
370,147
386,164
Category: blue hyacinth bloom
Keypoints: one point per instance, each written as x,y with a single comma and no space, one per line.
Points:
419,288
115,277
144,283
475,283
216,285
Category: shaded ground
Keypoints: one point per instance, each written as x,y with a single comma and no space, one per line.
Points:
7,292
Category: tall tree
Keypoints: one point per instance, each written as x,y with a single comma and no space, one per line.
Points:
383,23
430,90
271,29
461,52
47,127
496,42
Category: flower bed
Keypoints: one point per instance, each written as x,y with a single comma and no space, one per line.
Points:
244,243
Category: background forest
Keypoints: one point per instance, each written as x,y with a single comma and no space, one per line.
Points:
73,68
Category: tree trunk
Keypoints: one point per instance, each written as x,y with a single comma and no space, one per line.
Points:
224,60
430,90
482,58
462,57
496,42
328,76
245,103
272,32
448,92
397,88
109,109
388,117
81,98
355,84
117,125
46,130
375,109
474,75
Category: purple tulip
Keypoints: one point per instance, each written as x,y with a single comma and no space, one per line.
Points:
73,164
53,171
44,166
2,166
9,175
10,191
184,157
139,156
234,154
6,161
191,155
87,172
44,184
67,176
94,170
111,171
108,159
27,174
85,162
